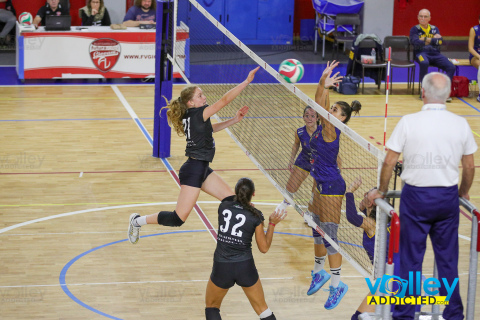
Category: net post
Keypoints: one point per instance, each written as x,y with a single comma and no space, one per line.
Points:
474,249
163,78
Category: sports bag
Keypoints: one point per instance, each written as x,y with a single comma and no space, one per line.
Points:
459,87
349,85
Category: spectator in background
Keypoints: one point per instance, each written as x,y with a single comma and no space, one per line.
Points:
53,7
142,12
94,14
7,16
474,49
426,41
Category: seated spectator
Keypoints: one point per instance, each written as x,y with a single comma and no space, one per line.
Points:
7,16
474,49
95,14
143,12
51,8
426,41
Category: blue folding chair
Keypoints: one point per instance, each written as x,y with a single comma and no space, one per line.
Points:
326,11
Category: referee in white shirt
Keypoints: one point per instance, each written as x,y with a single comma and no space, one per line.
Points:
433,142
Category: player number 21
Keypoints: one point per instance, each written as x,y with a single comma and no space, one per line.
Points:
186,127
227,215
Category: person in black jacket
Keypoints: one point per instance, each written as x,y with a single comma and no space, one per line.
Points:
95,14
233,262
190,116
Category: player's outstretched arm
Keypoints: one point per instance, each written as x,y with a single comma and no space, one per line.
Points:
264,240
225,124
229,96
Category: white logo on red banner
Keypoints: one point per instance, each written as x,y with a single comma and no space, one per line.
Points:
105,53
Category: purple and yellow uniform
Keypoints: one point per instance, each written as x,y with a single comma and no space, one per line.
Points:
476,42
304,158
325,170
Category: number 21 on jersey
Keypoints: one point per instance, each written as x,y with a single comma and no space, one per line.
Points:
227,216
186,127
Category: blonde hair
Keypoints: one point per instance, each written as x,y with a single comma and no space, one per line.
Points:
178,107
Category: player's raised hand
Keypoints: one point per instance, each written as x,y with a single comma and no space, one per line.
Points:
332,80
241,113
251,74
277,216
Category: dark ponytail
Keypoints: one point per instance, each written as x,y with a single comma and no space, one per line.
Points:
244,190
348,109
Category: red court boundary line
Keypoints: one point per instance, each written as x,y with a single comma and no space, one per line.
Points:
466,215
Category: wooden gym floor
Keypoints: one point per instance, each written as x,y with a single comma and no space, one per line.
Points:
74,165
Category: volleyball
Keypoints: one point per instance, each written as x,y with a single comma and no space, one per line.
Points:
291,70
25,19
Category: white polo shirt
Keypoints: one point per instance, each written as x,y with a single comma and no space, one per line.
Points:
433,142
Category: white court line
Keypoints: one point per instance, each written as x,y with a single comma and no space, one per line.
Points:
124,282
18,225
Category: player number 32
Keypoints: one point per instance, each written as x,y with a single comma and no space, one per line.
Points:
227,215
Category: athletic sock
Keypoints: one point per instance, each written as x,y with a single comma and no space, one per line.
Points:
267,314
212,314
169,219
140,221
319,263
335,273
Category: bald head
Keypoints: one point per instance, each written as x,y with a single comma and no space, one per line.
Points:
436,88
423,17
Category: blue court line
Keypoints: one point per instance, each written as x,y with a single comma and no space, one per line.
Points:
81,119
65,269
468,104
145,132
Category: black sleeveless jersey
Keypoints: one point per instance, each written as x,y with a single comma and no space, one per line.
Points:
235,232
200,143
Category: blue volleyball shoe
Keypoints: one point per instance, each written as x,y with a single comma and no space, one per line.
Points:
336,295
318,280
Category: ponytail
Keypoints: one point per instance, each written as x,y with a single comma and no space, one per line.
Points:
177,108
348,109
243,194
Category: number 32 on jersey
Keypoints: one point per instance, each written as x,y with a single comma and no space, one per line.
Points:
227,216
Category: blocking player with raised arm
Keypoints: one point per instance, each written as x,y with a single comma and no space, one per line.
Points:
190,116
474,49
327,201
233,261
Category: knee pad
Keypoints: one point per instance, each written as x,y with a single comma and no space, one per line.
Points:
169,219
317,237
212,314
331,230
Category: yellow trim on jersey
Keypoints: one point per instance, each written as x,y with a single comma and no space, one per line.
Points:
329,195
301,169
427,31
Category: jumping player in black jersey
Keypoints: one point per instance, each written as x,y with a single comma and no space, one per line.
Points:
190,116
233,261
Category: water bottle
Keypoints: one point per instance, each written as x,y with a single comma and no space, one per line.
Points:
374,56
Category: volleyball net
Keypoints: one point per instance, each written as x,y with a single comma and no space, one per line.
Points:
218,61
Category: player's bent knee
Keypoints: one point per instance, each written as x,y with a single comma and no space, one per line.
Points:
169,219
331,229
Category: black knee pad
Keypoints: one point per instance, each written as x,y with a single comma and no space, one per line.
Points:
169,219
212,314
